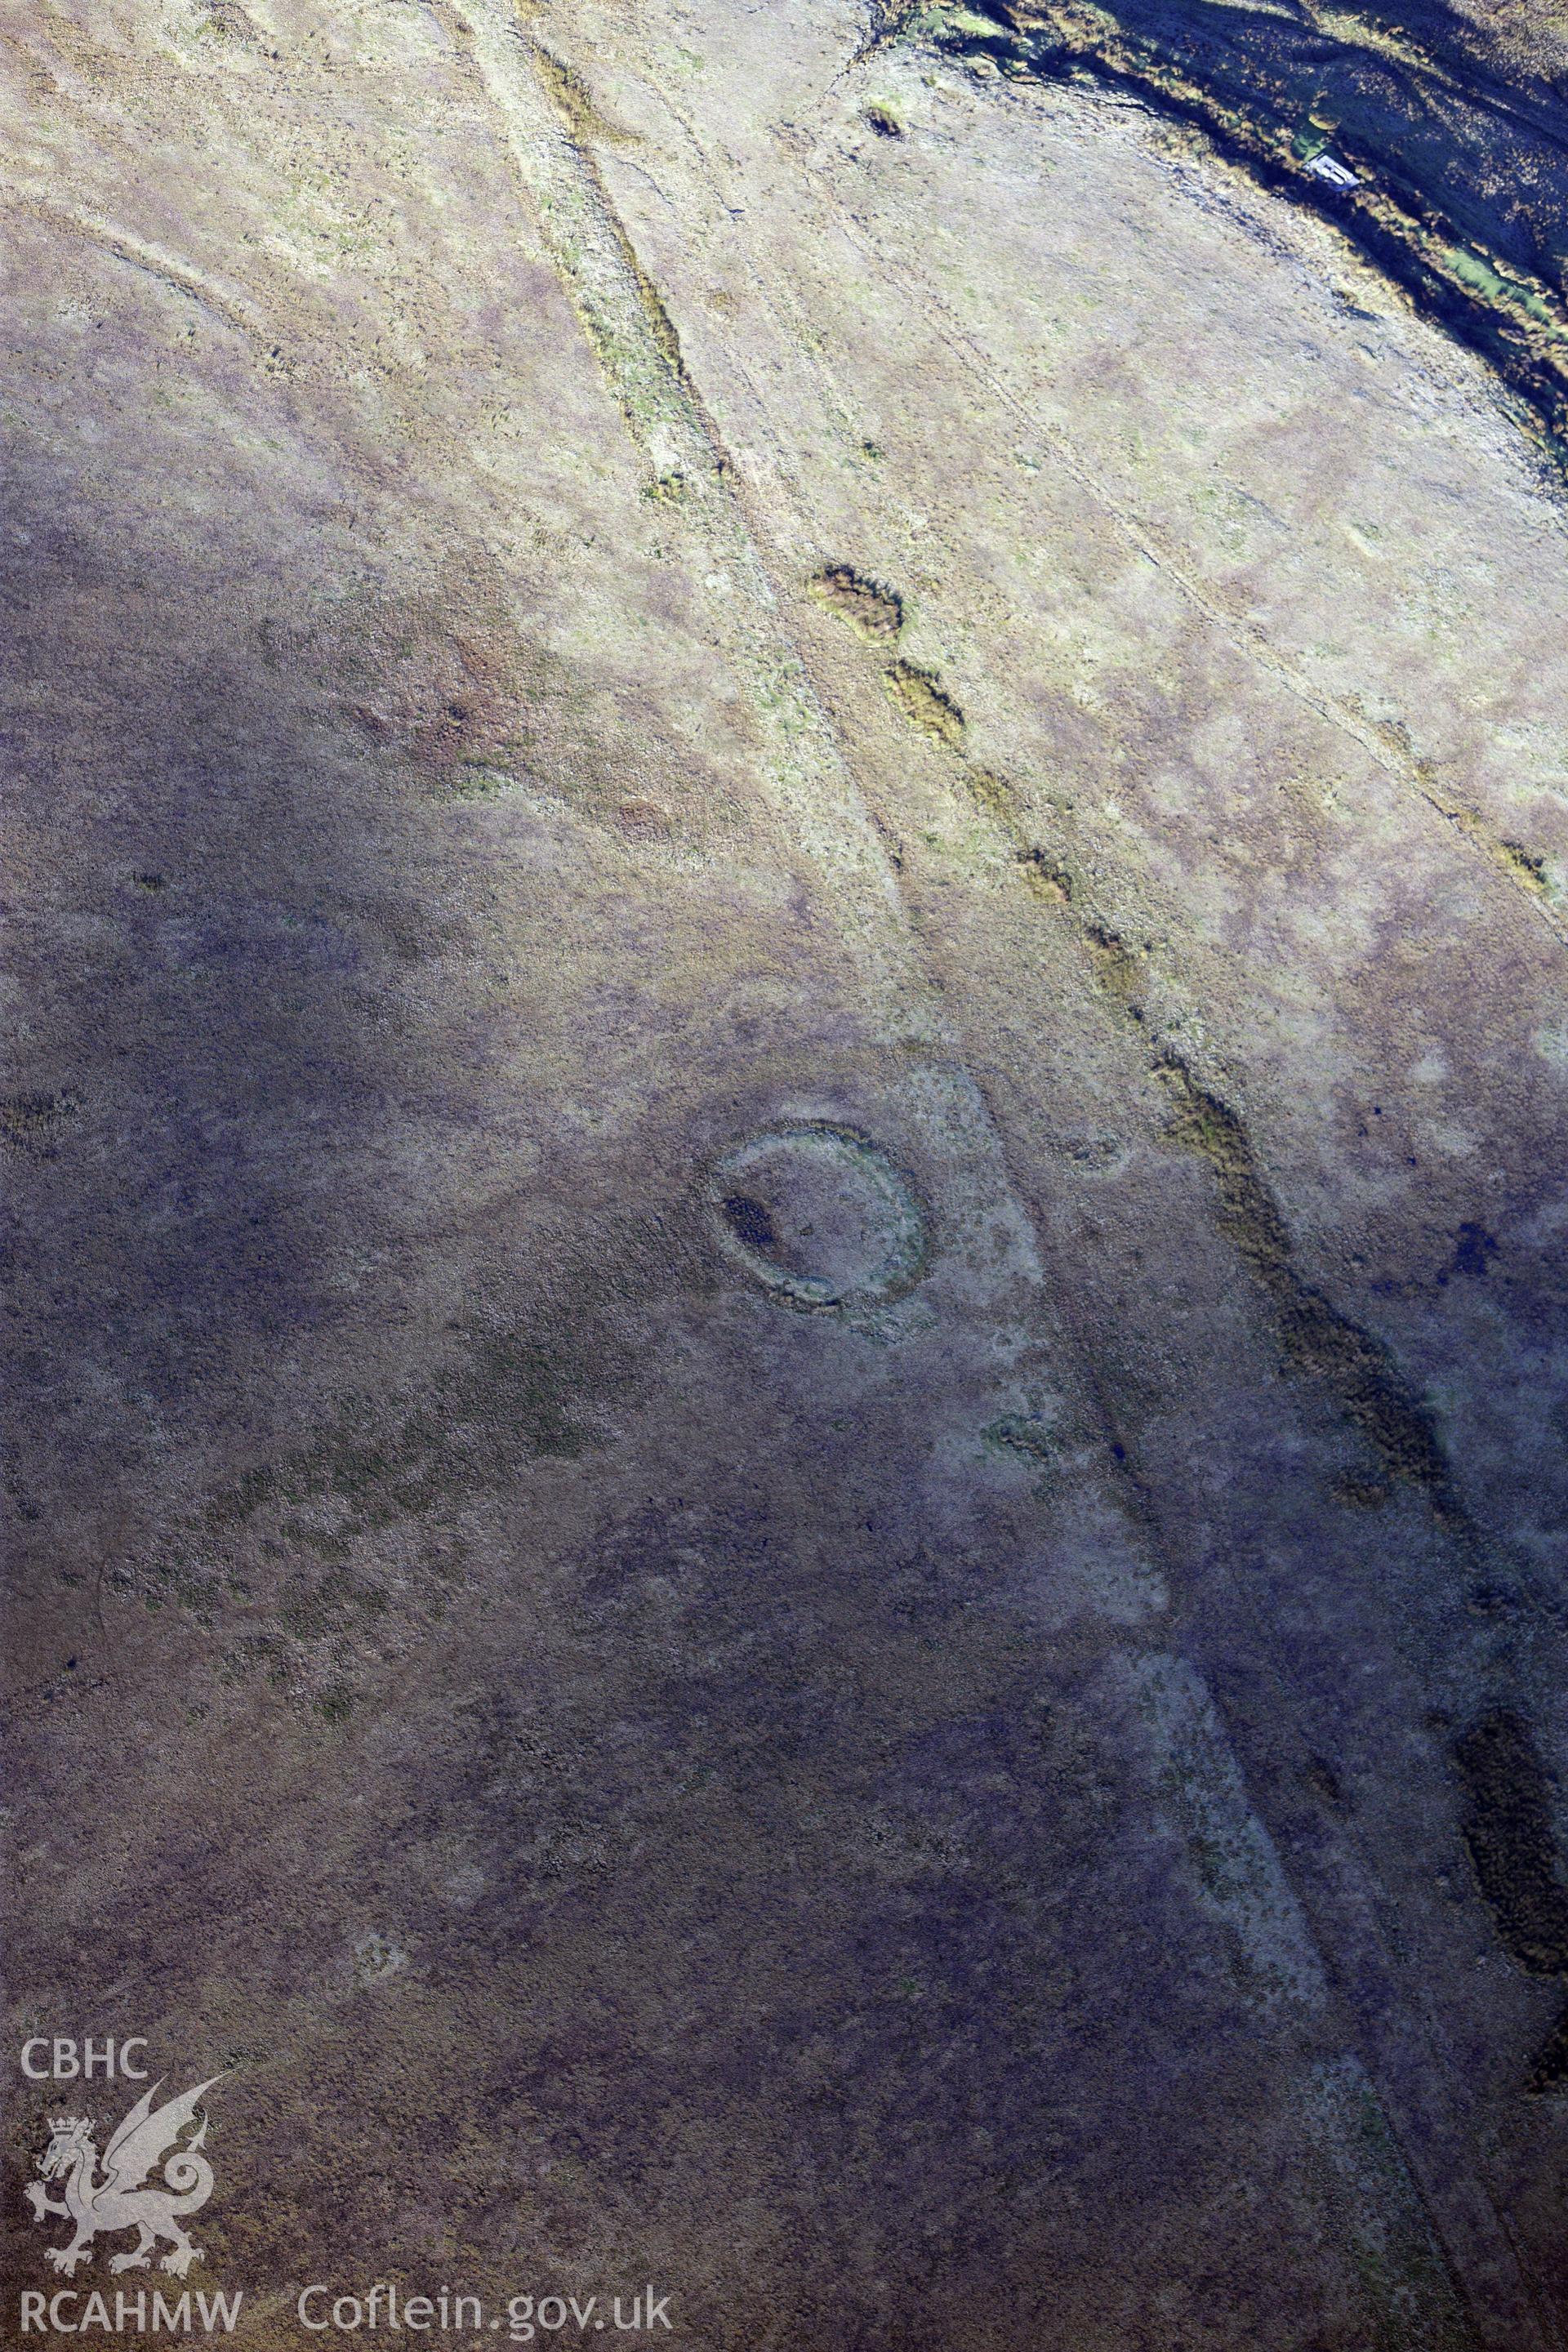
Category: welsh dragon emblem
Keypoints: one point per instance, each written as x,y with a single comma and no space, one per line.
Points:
120,2199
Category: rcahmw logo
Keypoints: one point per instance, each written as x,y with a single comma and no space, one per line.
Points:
100,2195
